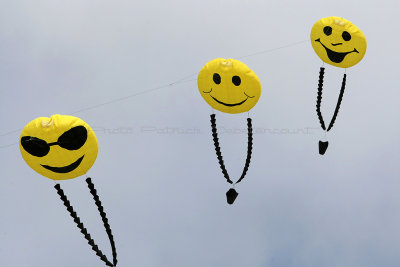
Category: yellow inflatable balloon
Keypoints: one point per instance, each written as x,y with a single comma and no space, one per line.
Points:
60,147
64,147
338,42
228,85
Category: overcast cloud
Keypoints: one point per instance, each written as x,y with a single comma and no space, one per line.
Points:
157,173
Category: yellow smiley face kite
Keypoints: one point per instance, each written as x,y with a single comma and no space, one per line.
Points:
60,147
228,85
338,42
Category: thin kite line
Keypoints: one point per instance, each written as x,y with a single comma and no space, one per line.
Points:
10,132
182,80
273,49
8,145
130,96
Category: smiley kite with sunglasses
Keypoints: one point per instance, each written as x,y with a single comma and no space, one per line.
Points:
60,148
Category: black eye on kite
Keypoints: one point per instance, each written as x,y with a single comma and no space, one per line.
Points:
328,30
35,146
73,139
217,78
346,36
236,80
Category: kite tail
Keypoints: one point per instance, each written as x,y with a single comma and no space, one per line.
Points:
319,97
104,218
80,225
338,103
218,149
249,149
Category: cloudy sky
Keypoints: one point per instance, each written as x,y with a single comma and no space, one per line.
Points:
157,173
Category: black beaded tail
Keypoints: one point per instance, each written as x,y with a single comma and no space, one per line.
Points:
218,149
319,97
338,103
249,149
104,218
81,227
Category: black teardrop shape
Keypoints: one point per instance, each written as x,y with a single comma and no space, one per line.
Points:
231,195
323,146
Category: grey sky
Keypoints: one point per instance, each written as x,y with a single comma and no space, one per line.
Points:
163,192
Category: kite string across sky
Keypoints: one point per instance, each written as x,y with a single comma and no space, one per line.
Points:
184,79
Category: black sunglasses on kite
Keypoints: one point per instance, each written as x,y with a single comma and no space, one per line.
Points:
72,139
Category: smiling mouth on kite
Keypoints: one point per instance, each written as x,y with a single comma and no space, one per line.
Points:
64,169
336,57
231,105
